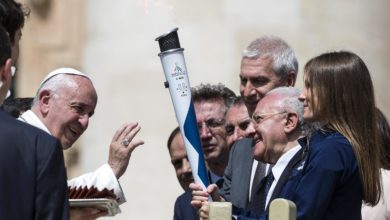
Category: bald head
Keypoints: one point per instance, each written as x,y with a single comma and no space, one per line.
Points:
286,99
278,119
64,103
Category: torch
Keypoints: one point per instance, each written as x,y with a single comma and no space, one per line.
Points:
175,72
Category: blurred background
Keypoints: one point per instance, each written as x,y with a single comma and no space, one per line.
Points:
114,42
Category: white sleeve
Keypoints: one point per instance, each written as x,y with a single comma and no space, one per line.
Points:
101,178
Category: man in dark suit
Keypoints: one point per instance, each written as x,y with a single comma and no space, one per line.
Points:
12,18
277,119
240,129
183,209
211,103
238,124
238,173
32,172
268,62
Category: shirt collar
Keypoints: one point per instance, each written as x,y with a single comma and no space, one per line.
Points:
214,177
283,161
31,118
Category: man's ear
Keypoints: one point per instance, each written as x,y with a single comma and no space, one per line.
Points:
292,122
5,79
291,78
6,75
44,101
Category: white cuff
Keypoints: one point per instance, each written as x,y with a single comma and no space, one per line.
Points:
101,178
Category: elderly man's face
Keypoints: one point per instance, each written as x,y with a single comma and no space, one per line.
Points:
238,124
210,116
70,109
269,122
257,78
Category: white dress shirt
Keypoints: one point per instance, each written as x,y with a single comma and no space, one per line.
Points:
279,167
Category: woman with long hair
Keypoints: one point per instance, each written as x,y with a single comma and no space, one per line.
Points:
341,166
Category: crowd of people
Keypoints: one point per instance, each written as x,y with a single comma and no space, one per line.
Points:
322,148
325,148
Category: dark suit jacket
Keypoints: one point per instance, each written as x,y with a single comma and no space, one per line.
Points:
237,175
295,160
32,173
183,208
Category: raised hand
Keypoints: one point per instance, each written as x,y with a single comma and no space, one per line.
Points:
122,146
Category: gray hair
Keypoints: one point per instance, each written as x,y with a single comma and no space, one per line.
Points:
56,83
208,92
290,101
283,57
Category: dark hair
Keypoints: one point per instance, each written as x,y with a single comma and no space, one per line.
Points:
238,101
12,17
384,139
340,81
208,92
5,46
172,136
17,106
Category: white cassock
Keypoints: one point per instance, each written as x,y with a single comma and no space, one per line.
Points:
101,178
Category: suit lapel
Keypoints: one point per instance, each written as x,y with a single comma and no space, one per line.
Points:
285,175
258,178
257,197
246,170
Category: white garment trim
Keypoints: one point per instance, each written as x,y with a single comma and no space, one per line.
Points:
31,118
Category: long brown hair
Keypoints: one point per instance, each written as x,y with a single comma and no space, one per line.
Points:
384,139
342,85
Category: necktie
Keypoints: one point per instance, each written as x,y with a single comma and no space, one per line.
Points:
259,174
270,179
219,183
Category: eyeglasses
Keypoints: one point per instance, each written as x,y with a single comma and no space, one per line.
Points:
212,124
259,118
